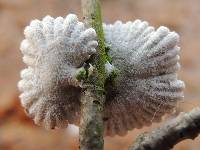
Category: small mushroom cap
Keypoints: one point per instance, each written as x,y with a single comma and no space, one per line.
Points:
54,49
147,86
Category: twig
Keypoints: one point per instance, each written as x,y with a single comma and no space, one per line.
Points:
93,97
185,126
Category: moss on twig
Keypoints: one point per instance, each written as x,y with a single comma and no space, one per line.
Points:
93,99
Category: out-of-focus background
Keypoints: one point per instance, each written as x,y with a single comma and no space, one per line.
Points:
17,132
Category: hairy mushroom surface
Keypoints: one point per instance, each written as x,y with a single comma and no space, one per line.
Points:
145,88
54,51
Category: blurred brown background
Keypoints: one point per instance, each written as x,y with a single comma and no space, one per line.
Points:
17,132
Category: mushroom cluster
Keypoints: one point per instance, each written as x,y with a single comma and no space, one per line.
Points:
145,88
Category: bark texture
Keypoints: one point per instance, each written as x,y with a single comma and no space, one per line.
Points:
91,131
185,126
93,96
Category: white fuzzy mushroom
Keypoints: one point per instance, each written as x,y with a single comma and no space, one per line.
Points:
145,89
54,50
147,86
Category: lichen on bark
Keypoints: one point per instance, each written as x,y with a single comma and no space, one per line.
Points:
93,95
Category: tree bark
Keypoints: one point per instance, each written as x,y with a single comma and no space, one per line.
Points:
93,96
91,131
185,126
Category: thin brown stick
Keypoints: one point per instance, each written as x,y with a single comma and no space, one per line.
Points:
93,97
185,126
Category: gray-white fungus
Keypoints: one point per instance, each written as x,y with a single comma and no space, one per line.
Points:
145,89
147,86
54,50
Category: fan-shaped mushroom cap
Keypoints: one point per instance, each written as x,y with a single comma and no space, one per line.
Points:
54,50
